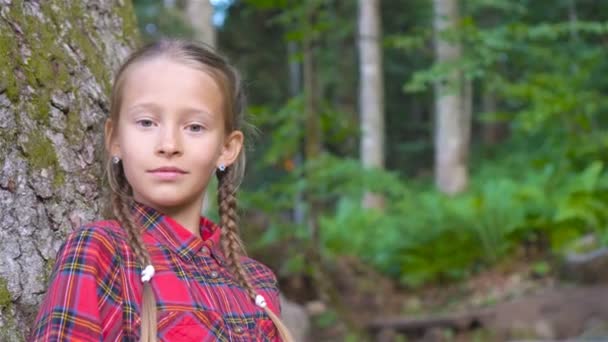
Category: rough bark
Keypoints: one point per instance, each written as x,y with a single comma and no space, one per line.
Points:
56,59
371,92
452,127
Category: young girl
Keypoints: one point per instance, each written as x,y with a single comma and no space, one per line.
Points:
159,271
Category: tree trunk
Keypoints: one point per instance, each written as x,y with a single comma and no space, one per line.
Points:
452,125
55,63
200,15
312,143
295,89
371,92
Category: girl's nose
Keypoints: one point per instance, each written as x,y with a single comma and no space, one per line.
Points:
169,143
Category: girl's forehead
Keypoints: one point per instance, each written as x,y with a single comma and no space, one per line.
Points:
165,73
170,83
162,66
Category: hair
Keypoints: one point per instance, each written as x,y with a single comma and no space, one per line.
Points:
121,194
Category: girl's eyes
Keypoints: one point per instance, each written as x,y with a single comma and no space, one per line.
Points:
196,128
145,123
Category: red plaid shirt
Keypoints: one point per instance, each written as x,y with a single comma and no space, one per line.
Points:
95,293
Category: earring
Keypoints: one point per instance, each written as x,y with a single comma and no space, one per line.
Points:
222,167
115,160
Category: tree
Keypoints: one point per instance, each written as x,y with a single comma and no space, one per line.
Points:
55,63
200,13
452,124
371,91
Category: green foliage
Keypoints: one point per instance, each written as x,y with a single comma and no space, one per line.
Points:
423,235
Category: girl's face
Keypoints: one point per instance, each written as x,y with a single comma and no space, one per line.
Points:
170,133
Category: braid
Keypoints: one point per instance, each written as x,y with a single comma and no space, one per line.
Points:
121,208
232,246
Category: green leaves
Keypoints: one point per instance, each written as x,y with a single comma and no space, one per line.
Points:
546,185
423,236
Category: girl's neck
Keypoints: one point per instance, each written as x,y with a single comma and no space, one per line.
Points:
189,219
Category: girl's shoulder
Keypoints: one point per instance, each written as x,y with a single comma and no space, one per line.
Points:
264,281
259,274
103,227
107,234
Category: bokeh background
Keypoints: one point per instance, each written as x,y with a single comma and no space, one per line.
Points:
417,170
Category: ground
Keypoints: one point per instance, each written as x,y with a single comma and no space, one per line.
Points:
516,299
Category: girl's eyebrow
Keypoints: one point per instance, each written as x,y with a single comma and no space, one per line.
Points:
144,106
200,112
148,106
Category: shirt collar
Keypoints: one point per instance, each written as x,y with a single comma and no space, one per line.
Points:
176,237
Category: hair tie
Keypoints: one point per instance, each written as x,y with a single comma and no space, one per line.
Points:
147,274
260,301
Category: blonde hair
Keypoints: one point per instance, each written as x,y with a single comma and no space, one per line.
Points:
202,57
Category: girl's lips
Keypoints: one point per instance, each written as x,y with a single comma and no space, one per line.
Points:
167,173
168,169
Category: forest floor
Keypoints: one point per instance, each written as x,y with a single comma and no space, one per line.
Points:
514,301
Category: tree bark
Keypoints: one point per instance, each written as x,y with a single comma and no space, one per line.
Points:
200,15
56,59
452,124
371,92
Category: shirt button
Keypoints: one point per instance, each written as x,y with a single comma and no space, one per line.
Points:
238,330
205,250
214,274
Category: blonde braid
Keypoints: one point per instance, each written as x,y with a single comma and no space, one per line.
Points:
121,208
232,246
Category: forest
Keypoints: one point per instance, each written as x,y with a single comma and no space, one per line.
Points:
422,170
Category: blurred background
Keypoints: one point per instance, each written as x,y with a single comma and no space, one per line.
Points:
421,170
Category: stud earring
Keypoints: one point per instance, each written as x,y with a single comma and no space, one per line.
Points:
115,160
222,167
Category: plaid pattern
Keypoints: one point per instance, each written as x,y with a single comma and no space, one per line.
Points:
95,290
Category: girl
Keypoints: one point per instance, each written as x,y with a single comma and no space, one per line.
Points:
159,271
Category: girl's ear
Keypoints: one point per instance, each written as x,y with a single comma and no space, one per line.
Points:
231,149
111,145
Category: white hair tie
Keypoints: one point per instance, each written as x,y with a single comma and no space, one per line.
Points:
147,274
260,301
